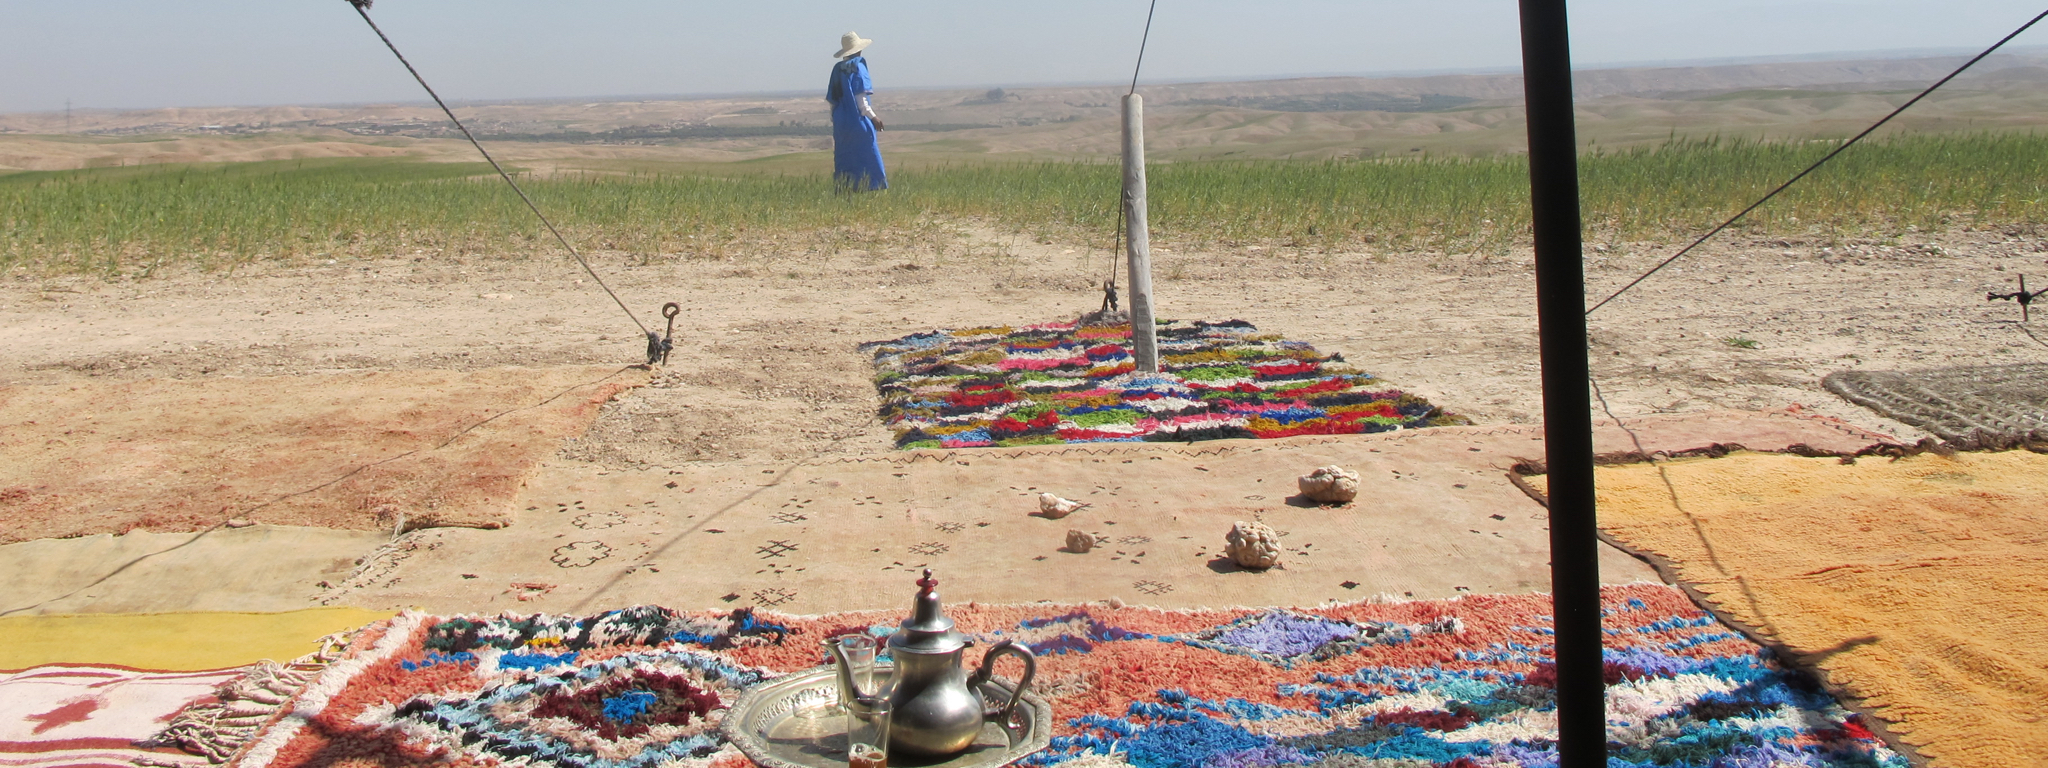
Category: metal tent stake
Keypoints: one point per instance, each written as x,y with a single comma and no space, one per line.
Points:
1567,408
1144,332
2023,297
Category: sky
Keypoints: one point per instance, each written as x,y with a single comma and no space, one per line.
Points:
128,54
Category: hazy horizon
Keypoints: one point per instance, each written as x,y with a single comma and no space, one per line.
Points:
124,54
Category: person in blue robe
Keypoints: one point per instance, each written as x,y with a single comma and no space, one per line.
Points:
856,153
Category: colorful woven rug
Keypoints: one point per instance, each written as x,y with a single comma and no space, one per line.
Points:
1429,683
1075,383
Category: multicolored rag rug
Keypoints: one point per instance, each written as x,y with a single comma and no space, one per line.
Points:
1459,682
1076,383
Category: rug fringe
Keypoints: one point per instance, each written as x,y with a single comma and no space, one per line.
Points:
216,730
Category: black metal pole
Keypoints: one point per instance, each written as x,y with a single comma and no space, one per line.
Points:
1567,410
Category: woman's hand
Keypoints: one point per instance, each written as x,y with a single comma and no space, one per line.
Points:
878,123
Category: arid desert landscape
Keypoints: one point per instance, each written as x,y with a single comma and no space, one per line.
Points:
424,403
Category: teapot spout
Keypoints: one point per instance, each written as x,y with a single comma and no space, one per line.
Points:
849,686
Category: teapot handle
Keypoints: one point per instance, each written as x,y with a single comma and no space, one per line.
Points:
987,670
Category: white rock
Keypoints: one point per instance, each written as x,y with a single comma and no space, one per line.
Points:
1331,484
1253,546
1079,542
1054,507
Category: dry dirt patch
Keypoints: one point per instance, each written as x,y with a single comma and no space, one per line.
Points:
360,450
766,367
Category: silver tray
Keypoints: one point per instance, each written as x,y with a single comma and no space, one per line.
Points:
795,722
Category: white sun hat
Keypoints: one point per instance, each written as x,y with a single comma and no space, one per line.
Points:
850,44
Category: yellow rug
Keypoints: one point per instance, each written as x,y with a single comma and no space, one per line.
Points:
172,641
1919,586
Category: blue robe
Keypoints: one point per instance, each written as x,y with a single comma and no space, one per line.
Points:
856,154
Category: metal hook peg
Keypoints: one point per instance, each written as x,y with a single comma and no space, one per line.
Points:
658,347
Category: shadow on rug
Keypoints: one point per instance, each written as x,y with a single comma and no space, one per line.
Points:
1075,383
1914,585
1461,682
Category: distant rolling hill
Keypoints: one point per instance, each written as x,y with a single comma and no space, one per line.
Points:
1297,117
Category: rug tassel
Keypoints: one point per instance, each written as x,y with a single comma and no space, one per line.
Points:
217,729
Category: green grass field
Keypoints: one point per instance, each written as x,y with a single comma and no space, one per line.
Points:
119,220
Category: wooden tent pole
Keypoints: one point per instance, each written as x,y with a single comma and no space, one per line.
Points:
1144,338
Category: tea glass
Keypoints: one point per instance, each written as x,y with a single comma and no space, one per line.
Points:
867,733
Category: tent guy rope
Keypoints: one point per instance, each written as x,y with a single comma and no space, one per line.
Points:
1117,239
1817,163
658,346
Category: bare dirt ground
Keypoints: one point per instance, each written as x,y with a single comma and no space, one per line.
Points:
766,366
767,383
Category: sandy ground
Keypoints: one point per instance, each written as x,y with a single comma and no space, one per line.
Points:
767,377
766,366
1437,517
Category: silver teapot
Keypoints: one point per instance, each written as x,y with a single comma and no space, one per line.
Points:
937,706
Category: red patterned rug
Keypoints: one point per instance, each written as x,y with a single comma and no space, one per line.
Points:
78,716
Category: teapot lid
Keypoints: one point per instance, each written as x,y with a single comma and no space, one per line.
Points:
927,630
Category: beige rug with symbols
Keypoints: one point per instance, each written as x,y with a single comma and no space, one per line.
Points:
1437,517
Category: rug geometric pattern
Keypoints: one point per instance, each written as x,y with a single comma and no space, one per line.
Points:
1464,682
1074,383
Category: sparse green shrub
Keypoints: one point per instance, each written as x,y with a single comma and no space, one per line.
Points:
121,219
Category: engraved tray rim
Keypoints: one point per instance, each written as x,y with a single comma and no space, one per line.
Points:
1037,725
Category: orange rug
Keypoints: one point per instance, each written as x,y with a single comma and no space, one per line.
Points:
351,450
1919,586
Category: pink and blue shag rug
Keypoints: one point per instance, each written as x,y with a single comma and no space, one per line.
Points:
1462,683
